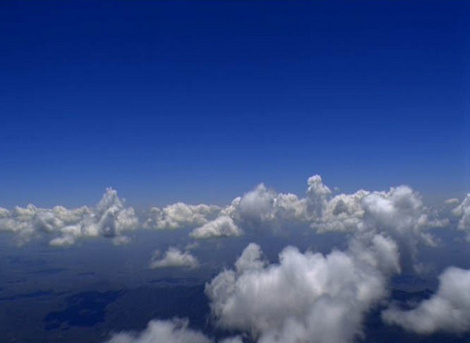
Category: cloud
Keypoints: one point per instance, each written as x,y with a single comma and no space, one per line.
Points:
398,213
158,331
221,227
463,211
109,219
307,297
181,215
343,213
237,339
447,311
452,201
168,331
173,257
264,205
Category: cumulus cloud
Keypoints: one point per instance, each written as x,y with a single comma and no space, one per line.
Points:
109,219
463,211
173,257
181,215
343,213
167,331
223,226
158,331
307,297
447,311
263,205
398,213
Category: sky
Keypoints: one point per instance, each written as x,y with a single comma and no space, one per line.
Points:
235,171
200,101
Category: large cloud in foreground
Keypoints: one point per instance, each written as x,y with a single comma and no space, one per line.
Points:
307,297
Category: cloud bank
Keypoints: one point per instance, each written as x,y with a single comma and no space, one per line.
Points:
398,213
108,219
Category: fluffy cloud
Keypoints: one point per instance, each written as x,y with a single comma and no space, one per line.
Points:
167,331
448,310
398,213
181,215
264,205
463,211
109,219
307,297
158,331
223,226
173,257
343,212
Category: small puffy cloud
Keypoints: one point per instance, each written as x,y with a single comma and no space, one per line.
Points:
221,227
173,257
121,240
160,331
446,311
307,297
168,331
181,215
62,241
452,201
232,340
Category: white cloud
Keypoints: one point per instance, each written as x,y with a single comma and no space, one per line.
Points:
343,212
173,257
452,201
232,340
264,205
109,219
448,310
167,331
306,297
400,214
158,331
181,215
463,211
221,227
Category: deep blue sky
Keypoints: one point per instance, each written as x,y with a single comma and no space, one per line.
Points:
200,101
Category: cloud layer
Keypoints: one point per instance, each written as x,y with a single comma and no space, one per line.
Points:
399,213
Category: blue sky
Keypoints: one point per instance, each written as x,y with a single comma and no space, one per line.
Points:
200,101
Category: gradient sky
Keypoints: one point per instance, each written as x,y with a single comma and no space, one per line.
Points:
200,101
